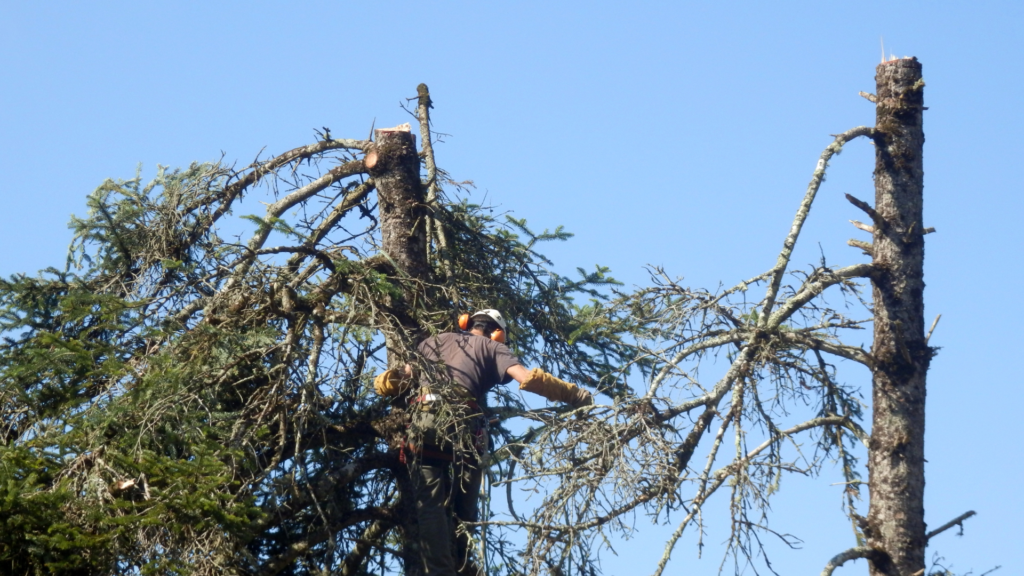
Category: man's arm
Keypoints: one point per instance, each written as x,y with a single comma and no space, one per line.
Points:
518,373
543,384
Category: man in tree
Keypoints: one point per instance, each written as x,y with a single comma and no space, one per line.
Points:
448,435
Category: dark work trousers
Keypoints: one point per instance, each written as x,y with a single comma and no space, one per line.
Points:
443,489
439,485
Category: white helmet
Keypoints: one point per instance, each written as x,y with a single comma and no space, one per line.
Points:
492,315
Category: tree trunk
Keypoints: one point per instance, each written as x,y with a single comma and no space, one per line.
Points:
896,456
395,167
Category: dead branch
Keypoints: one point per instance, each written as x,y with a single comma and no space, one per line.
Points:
851,554
958,521
862,226
932,329
880,222
805,207
869,97
867,247
814,286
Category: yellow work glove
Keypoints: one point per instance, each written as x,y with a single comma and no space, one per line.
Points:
546,385
390,383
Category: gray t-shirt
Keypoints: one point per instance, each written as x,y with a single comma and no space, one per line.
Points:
476,362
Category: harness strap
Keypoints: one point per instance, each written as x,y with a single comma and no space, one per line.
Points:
435,397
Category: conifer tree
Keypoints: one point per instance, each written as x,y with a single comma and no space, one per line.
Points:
184,399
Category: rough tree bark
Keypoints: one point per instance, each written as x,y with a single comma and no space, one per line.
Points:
395,167
895,523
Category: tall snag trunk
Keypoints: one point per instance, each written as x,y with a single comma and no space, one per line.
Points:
395,166
896,456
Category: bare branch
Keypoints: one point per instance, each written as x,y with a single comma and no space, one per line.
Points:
851,554
323,258
277,208
333,175
813,423
423,107
854,353
352,198
814,286
867,247
869,97
958,521
741,287
801,215
712,398
880,222
932,329
733,336
865,227
372,536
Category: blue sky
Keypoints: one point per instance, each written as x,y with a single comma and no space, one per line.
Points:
667,133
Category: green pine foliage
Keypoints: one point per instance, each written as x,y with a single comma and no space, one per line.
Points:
175,403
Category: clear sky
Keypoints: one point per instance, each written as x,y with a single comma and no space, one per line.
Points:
670,133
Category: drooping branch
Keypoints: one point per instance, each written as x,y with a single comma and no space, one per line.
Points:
713,341
725,471
719,477
275,210
698,500
352,198
801,214
333,175
260,169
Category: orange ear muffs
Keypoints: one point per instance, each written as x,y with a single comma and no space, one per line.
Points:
498,335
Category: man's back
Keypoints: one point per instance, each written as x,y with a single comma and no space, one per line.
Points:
475,362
